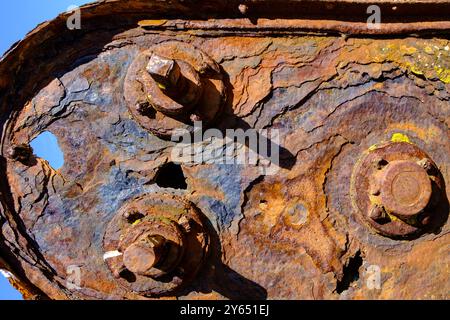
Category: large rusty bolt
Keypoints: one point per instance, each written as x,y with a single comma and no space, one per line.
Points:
405,188
398,190
402,188
150,248
164,71
172,85
155,244
142,256
178,82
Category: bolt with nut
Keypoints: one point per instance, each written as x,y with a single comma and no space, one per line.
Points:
171,86
398,190
178,82
143,255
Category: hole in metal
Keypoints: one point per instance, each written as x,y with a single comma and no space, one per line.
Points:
171,175
45,146
128,275
134,216
350,273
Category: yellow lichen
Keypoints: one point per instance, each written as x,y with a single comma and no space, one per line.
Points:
373,147
430,132
392,217
430,59
429,50
443,74
151,23
416,70
400,137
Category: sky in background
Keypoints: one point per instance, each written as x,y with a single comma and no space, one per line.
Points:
17,18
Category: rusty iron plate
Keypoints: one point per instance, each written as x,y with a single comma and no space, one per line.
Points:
332,87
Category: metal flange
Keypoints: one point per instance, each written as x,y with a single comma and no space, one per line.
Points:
396,189
155,244
171,85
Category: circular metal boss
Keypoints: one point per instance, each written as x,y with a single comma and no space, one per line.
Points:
395,189
172,85
155,244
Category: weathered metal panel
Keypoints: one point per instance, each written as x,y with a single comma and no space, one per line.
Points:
347,101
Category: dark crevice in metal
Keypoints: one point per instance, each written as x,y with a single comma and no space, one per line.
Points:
171,175
350,272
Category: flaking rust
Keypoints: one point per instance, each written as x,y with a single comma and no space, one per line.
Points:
362,114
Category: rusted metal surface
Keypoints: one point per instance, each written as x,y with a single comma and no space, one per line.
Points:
338,100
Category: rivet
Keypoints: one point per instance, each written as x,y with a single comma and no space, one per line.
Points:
243,8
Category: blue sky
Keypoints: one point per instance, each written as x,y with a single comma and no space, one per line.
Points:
17,18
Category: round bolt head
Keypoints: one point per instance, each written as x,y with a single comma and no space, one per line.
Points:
405,188
143,255
164,71
407,192
139,258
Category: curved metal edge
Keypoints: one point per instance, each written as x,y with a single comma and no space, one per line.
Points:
129,12
347,12
264,17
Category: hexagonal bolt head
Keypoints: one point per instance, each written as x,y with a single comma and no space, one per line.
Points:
143,255
428,166
21,152
164,71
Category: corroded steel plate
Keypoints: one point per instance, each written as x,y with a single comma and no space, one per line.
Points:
333,88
